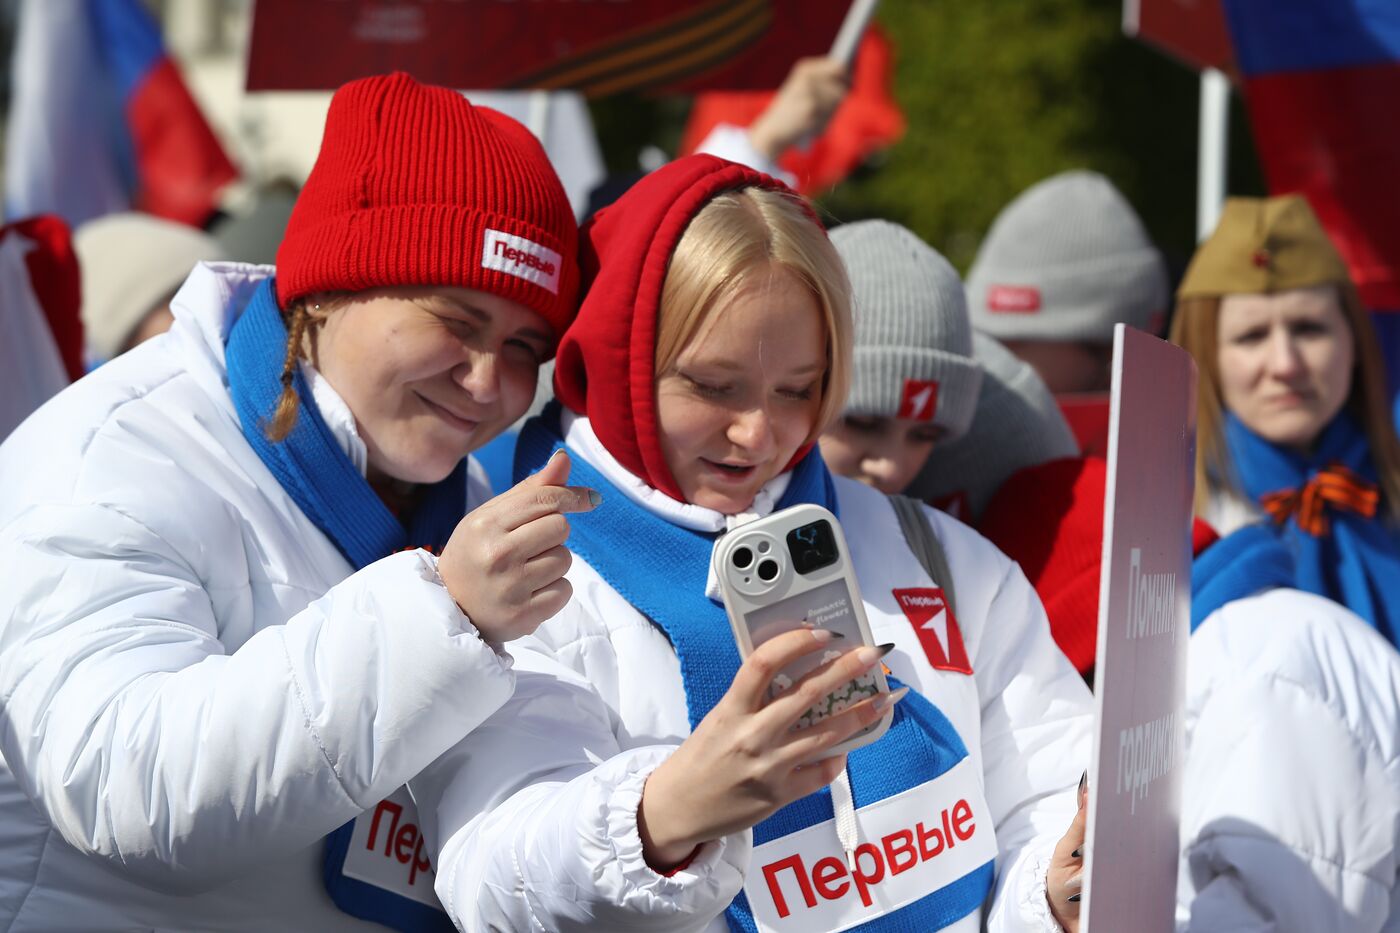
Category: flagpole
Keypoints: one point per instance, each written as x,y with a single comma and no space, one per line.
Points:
538,120
1212,153
843,48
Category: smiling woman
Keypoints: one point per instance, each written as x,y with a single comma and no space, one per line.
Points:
664,779
1293,427
261,539
431,374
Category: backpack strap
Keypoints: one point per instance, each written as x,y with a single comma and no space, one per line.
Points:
920,536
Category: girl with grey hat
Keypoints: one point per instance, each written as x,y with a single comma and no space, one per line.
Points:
914,381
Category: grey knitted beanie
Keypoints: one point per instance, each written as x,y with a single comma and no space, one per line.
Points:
913,347
131,264
1017,424
1066,260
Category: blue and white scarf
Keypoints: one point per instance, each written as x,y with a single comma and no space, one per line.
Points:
1357,560
324,482
661,569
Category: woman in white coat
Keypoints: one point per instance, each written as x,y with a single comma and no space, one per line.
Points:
211,655
657,789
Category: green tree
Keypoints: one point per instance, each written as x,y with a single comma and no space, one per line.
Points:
998,95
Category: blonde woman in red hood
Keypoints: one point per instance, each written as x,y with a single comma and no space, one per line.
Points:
642,778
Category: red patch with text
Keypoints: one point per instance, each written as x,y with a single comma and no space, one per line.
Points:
919,400
936,627
1016,299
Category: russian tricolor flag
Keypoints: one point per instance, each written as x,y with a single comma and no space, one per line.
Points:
1322,81
101,120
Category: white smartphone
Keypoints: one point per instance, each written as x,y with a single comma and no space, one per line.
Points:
788,571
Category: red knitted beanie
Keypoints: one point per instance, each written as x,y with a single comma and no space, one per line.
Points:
606,366
416,186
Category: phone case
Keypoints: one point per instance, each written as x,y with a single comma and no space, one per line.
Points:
792,570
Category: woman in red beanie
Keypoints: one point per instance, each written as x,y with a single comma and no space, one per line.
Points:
657,789
225,632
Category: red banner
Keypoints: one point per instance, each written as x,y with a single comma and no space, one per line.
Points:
1193,31
596,46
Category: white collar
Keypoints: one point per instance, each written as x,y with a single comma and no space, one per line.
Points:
337,416
579,436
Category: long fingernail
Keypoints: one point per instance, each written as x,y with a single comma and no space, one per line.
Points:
1075,853
870,655
595,498
824,635
1083,781
1074,898
885,700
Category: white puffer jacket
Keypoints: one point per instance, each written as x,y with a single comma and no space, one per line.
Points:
195,687
1291,815
535,812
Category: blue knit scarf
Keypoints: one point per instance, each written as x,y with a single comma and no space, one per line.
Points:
661,569
1357,562
1249,561
327,486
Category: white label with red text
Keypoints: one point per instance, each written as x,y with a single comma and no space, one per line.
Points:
911,845
520,257
387,850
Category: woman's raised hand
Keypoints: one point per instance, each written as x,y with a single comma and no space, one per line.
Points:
745,761
506,560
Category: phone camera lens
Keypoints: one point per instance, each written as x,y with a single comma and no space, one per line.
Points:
768,570
742,557
812,546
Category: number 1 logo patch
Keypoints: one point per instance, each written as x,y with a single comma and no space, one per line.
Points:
919,399
938,631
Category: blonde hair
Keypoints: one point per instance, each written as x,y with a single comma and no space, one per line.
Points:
736,236
1195,328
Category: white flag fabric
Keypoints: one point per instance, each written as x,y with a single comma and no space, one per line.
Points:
31,370
60,156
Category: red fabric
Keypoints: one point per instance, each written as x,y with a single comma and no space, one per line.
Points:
53,275
1087,416
180,162
1333,136
605,368
409,181
652,46
867,121
1049,519
1202,537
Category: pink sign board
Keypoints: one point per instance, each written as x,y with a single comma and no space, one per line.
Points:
1144,622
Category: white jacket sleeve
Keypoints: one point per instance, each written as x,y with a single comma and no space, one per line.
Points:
145,742
1037,723
1291,807
533,821
731,142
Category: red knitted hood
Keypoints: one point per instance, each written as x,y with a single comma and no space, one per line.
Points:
605,368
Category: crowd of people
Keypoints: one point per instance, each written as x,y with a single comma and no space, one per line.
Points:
278,652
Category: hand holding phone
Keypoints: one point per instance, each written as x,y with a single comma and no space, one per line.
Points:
792,570
746,760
